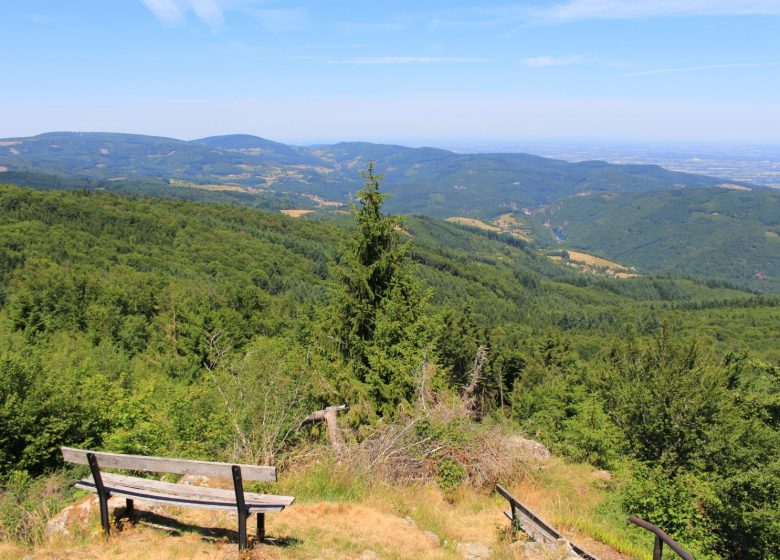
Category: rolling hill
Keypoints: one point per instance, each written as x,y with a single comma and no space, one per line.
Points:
641,216
717,232
422,180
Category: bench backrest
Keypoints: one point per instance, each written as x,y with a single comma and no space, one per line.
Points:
164,464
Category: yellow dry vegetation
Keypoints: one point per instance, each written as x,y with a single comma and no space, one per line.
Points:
296,212
207,187
594,261
510,224
395,523
773,235
472,222
733,186
591,263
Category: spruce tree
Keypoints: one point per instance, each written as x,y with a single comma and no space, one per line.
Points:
379,325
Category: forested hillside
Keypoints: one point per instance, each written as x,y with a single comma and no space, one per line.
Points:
641,216
717,232
139,325
423,180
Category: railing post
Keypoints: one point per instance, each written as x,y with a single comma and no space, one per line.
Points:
515,521
102,493
658,548
660,539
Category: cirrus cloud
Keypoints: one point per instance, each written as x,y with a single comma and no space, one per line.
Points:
546,61
173,12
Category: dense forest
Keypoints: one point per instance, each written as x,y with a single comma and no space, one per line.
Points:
154,326
640,216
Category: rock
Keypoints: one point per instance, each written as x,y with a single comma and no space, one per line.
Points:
195,480
474,551
368,555
78,514
533,550
533,449
82,513
410,522
433,536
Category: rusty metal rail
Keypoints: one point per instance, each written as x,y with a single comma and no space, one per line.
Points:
660,539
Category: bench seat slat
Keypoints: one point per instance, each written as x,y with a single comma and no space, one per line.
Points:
168,493
168,465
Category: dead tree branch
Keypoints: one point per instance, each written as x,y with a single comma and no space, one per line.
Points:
328,415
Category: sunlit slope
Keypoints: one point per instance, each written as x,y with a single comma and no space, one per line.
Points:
717,232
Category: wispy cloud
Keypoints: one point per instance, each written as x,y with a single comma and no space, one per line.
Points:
575,10
212,13
167,11
546,61
684,69
209,12
406,60
281,19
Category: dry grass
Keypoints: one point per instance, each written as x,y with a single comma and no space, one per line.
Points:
594,261
733,186
389,522
395,522
207,187
472,222
296,213
588,263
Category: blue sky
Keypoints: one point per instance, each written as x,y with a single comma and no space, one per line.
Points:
419,72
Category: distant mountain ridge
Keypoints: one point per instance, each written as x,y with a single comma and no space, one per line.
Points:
641,216
422,180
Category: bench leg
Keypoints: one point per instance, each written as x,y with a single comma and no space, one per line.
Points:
260,527
243,512
104,517
102,493
129,509
242,515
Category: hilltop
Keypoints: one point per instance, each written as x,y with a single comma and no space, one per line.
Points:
157,327
648,219
422,180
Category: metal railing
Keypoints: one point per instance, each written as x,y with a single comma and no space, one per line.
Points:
660,539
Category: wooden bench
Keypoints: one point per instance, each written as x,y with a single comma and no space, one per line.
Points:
171,494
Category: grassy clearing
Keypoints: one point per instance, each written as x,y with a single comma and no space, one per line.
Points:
472,222
587,263
296,213
339,515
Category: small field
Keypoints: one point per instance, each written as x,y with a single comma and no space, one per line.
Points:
591,263
207,187
296,213
472,222
505,223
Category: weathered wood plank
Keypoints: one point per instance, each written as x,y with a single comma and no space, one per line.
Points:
168,465
186,490
534,526
168,493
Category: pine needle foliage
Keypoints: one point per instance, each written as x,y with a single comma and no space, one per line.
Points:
379,323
